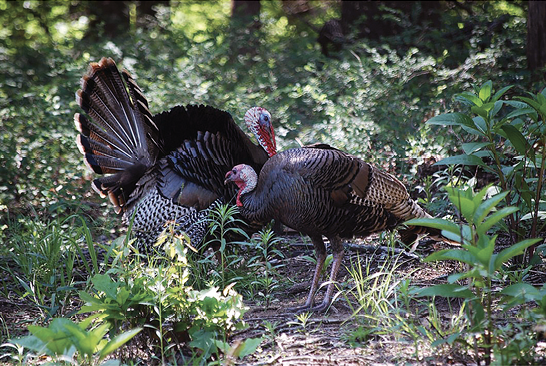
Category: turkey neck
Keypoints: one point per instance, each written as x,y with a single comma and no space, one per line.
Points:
261,204
256,205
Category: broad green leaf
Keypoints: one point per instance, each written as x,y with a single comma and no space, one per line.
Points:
44,334
512,251
118,341
85,323
486,206
453,278
523,290
456,237
489,106
495,218
484,154
464,205
473,131
451,119
33,343
486,247
454,191
482,112
85,342
249,346
500,93
496,108
462,159
479,255
520,112
517,139
221,345
452,254
204,340
88,298
481,124
445,290
55,337
478,197
123,295
463,202
541,108
471,147
105,284
508,170
469,97
436,224
516,104
485,91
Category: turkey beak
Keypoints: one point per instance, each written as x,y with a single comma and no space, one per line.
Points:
228,177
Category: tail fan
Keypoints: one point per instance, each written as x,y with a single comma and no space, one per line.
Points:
120,139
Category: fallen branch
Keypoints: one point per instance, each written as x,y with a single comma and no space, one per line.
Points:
380,249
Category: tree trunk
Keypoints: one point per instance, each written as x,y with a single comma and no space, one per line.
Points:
536,35
245,12
108,18
146,12
245,21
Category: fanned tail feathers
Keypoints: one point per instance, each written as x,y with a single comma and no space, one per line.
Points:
121,137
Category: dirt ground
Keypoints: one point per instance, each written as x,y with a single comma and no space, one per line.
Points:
323,339
326,338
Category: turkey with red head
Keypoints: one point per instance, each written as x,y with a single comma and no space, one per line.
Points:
321,191
167,167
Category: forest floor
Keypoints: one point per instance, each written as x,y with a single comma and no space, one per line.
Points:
341,336
332,338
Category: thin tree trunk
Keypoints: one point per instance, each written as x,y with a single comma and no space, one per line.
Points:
536,35
245,21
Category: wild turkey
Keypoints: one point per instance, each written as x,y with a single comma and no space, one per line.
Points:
164,168
320,190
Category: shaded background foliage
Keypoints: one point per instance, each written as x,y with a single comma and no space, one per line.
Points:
400,64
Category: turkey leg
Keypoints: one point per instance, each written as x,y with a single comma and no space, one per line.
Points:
337,251
320,250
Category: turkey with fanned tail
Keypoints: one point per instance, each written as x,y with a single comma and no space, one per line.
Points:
167,167
322,191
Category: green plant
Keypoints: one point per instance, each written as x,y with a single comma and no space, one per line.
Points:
68,341
483,263
16,354
44,257
159,298
302,320
513,142
224,227
271,330
327,261
263,265
380,294
374,288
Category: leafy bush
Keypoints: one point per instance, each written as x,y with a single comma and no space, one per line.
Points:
511,145
483,262
65,340
159,298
